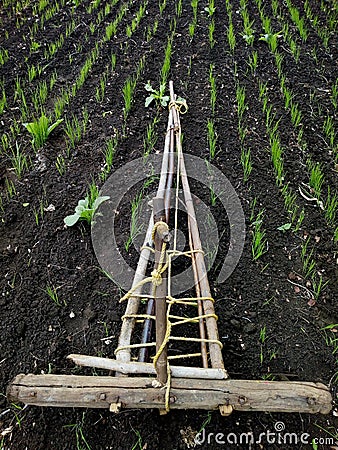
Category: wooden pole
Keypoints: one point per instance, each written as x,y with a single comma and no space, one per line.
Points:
211,323
146,368
160,291
134,301
199,305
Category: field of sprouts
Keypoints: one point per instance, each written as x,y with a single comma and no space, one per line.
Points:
261,82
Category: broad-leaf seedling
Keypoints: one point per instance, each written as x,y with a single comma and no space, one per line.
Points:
85,210
158,96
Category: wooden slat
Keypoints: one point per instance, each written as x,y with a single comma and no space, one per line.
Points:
137,392
146,368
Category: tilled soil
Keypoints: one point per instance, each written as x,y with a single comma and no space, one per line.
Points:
37,334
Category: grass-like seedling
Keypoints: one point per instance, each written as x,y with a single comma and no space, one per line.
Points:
40,130
334,94
109,153
162,6
309,264
210,9
166,63
60,164
18,160
213,92
213,195
298,21
316,178
262,339
277,159
128,93
150,138
248,31
329,130
271,39
81,441
74,129
241,104
100,90
86,207
318,285
231,35
296,115
156,95
3,101
212,41
259,241
135,226
178,8
253,61
331,206
51,291
212,138
246,163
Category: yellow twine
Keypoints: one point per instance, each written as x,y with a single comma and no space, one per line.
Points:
180,106
157,224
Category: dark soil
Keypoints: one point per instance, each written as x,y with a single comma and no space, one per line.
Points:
37,334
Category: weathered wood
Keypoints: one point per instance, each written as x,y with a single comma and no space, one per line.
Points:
147,368
134,301
208,306
101,392
160,291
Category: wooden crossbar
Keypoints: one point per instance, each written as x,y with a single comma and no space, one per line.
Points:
139,392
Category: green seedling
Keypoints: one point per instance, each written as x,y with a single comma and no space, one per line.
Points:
18,160
210,9
318,285
166,63
40,130
135,227
285,227
60,164
262,338
86,207
81,441
231,35
271,39
309,264
212,138
331,206
316,178
259,241
253,61
157,96
211,33
246,163
213,92
51,291
138,444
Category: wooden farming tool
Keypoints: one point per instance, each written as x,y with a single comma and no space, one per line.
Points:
161,384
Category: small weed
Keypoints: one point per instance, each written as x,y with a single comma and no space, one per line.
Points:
81,441
51,291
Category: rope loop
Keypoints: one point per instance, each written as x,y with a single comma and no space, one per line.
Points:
180,106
